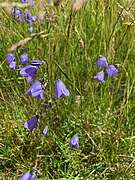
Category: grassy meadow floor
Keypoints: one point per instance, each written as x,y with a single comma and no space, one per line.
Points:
102,115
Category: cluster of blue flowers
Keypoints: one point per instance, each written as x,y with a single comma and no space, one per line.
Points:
24,14
111,69
60,90
37,90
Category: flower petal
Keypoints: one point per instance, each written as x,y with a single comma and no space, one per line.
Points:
36,62
60,89
45,130
74,141
31,123
26,176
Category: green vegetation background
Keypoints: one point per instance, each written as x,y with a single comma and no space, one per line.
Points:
102,115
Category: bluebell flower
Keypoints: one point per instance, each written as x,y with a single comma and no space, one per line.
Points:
36,62
11,61
16,12
111,70
33,18
24,58
27,17
28,71
13,11
45,130
10,57
25,12
12,65
30,30
31,123
101,61
60,89
99,77
22,1
74,141
36,90
26,176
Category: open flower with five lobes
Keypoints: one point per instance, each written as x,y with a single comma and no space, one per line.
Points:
74,141
11,60
28,71
60,89
111,70
99,77
101,61
31,123
23,58
36,90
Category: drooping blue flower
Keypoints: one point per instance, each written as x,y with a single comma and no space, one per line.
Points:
11,61
28,71
33,18
45,130
27,17
99,77
60,89
31,123
22,1
101,61
24,58
111,70
36,62
16,12
30,30
36,90
13,11
25,12
12,65
10,57
26,176
74,141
